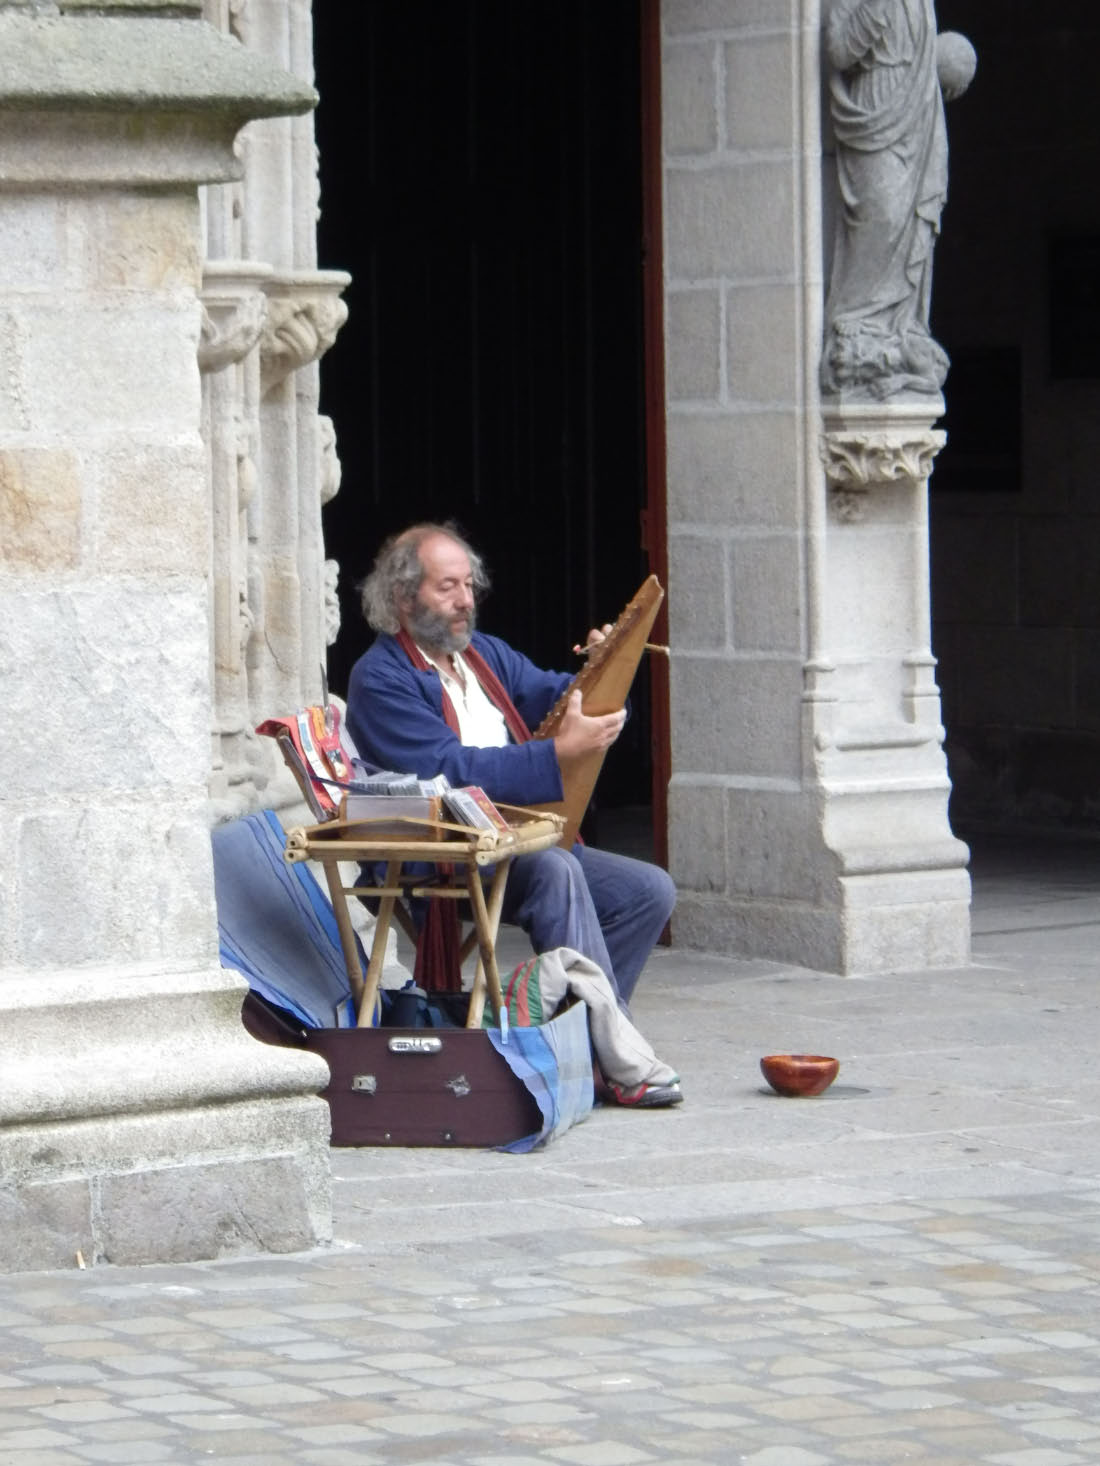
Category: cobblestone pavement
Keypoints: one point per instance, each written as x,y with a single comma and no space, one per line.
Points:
906,1269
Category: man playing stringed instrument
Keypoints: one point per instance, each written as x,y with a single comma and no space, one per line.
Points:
433,695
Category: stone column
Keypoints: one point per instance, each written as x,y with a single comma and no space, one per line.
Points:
274,591
138,1120
808,798
304,313
234,317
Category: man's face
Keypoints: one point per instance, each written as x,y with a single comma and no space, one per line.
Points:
442,614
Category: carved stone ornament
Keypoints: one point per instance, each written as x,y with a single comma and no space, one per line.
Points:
234,310
332,601
889,76
304,315
246,621
230,329
856,460
238,19
331,471
849,506
247,474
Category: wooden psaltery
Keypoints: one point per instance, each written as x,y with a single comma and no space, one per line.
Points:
603,682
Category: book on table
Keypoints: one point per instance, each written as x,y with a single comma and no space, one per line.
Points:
391,800
472,806
391,807
396,798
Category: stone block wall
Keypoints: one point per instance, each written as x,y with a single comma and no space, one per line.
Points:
735,267
808,797
106,543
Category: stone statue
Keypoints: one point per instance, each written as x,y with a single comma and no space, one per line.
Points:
887,111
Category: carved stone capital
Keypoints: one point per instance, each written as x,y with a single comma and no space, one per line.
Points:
234,311
857,459
304,315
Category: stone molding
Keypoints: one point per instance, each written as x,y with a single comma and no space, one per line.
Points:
304,316
94,100
878,737
171,9
155,64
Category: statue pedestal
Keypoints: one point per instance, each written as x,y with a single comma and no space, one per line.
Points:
873,739
813,825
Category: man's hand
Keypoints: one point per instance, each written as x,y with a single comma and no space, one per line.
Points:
598,633
580,734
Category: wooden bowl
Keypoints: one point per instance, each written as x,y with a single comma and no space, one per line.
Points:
799,1074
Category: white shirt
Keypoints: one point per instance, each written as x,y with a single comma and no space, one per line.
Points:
480,724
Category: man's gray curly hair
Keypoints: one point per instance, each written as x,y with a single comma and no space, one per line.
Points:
396,575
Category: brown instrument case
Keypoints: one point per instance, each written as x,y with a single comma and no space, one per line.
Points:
408,1086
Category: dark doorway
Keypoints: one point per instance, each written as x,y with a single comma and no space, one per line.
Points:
481,179
1015,527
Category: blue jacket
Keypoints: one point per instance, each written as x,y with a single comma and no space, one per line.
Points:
395,716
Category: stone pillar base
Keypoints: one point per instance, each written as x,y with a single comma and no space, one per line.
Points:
140,1122
181,1186
850,880
911,922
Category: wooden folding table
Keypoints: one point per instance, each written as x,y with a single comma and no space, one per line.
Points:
397,843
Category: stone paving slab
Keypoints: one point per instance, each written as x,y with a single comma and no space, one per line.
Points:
904,1270
954,1331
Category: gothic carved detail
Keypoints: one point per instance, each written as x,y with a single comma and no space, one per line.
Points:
247,475
860,459
238,19
231,327
246,621
848,506
331,471
303,319
331,571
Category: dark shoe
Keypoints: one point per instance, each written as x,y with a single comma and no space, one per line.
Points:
647,1096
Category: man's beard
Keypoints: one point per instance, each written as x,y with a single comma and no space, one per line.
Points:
433,631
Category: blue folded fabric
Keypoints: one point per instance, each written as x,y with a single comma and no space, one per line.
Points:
275,924
554,1061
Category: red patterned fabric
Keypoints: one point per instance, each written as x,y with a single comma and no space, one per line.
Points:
437,966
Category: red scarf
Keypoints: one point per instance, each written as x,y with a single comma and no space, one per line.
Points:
491,685
437,952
